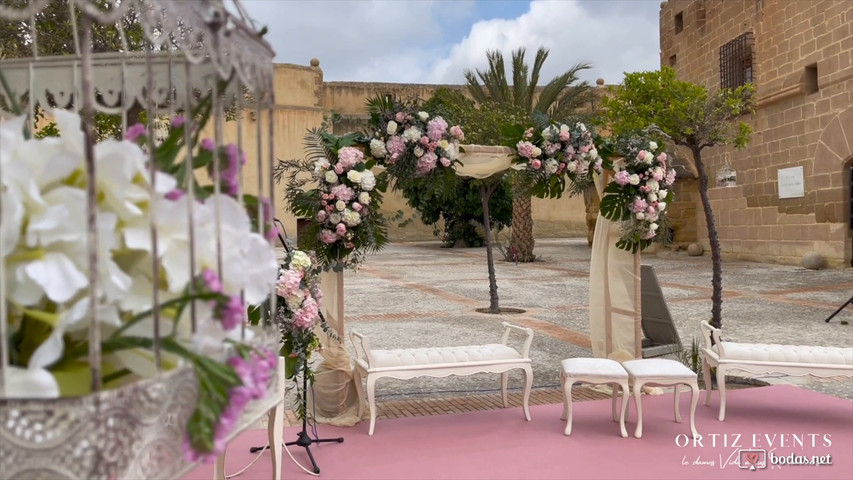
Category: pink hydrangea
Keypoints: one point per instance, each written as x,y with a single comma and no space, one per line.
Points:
436,129
639,205
427,162
343,192
304,317
288,283
622,178
670,176
526,149
348,157
395,145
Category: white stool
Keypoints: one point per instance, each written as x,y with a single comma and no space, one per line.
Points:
662,372
596,371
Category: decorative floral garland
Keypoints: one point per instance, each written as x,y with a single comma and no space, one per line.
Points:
640,191
558,157
343,203
410,142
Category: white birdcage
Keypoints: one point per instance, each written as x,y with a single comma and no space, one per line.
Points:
195,55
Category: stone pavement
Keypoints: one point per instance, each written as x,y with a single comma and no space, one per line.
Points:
419,294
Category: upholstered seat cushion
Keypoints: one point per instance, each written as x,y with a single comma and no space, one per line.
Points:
443,355
763,352
657,368
593,367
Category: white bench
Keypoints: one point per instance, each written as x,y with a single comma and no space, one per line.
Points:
762,358
406,363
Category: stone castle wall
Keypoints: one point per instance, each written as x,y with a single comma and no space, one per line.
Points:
802,66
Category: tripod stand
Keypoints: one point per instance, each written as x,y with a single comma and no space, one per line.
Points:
303,438
848,302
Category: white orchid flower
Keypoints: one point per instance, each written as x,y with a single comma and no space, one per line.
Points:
28,383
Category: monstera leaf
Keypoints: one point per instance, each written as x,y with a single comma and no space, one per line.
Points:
614,206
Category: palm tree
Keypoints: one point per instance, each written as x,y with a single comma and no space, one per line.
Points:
560,98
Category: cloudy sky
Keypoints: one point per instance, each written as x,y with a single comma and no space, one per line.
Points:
434,41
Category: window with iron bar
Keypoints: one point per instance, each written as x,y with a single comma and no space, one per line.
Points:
736,61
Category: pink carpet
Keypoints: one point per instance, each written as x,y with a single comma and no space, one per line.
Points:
772,421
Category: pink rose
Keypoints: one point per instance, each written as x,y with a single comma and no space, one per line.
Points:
400,117
456,132
356,206
445,161
622,178
536,163
341,229
328,237
565,135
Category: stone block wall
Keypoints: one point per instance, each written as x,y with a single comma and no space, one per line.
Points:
802,62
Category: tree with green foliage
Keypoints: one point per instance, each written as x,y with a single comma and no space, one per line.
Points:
560,98
693,118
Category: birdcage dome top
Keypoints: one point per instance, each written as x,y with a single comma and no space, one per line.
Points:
215,31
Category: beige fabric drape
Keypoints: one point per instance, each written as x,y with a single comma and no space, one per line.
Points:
483,161
334,398
614,293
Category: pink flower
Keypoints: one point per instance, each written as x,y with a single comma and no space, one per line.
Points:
321,216
622,178
445,161
233,312
670,177
133,132
341,229
641,156
425,141
658,175
288,283
565,135
639,205
456,132
342,192
436,129
528,133
304,317
525,149
356,206
585,148
427,162
536,164
395,145
211,280
175,194
348,157
400,117
207,144
339,169
177,121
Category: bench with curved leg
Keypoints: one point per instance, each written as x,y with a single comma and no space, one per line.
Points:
764,358
406,363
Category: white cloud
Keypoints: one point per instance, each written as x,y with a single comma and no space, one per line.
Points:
434,41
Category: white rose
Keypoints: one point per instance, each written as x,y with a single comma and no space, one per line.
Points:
537,151
335,218
581,126
444,144
364,197
661,206
340,205
452,151
351,218
418,151
412,134
331,177
653,197
653,226
354,176
572,166
653,146
641,216
367,182
423,116
392,128
653,185
546,134
377,148
564,128
593,153
634,179
662,194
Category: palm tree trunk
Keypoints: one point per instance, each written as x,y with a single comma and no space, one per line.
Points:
714,239
521,243
485,195
592,204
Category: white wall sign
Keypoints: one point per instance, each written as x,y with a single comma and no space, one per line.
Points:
791,183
